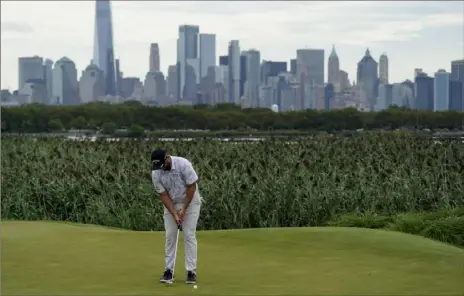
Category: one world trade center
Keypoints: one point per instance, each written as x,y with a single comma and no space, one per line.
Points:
103,51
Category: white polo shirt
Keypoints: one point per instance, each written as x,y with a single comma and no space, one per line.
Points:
175,181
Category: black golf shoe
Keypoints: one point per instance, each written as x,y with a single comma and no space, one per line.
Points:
191,277
167,277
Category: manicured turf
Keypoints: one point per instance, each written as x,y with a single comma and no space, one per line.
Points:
65,259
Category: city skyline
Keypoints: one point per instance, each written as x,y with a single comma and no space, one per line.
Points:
406,32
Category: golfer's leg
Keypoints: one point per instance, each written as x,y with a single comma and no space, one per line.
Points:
189,228
171,238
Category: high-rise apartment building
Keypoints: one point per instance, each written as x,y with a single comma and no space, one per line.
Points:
154,59
234,72
187,48
333,67
103,54
207,53
30,68
65,86
441,91
383,69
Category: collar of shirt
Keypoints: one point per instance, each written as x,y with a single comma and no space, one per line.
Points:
173,165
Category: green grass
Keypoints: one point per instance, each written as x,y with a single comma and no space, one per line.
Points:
69,259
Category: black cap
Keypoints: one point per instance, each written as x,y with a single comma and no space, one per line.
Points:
158,157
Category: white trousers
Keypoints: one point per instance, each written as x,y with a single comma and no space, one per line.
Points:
189,227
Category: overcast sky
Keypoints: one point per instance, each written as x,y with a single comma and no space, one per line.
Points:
414,34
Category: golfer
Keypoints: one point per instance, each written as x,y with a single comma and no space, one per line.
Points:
176,181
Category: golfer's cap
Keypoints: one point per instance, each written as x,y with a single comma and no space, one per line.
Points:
157,159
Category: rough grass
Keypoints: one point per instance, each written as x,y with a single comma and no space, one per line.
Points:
446,225
45,258
245,185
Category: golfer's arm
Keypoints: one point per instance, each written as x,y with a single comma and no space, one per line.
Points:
168,203
190,192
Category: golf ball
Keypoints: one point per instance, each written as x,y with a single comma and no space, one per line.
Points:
195,286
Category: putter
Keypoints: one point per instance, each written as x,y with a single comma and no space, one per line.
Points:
179,228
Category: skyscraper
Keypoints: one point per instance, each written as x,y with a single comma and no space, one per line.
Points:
333,67
207,53
456,90
457,70
48,77
367,77
383,69
187,49
457,75
423,92
172,82
252,68
91,84
271,69
309,73
154,63
103,51
65,86
441,91
234,71
293,66
310,63
224,60
30,68
417,71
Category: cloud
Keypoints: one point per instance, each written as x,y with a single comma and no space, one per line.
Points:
16,27
399,30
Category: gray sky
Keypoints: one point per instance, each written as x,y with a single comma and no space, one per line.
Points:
416,34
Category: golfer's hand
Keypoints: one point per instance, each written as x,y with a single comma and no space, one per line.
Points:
181,214
177,219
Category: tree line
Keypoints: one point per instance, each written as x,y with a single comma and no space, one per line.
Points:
37,118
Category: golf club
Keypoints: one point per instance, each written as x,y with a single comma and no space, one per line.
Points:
179,228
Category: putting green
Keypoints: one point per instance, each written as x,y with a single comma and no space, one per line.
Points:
68,259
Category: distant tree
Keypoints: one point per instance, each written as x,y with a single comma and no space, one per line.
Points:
92,124
37,118
79,123
55,125
108,128
136,131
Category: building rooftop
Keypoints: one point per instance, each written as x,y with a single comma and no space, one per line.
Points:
333,54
